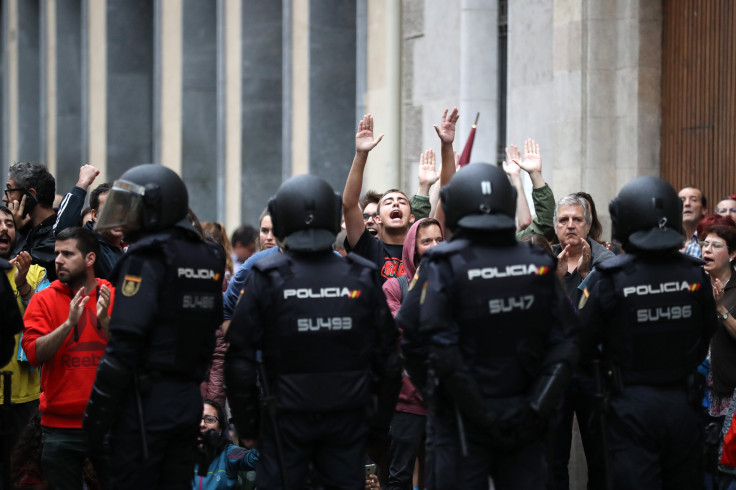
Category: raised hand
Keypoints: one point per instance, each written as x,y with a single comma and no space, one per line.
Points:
87,175
428,174
583,266
19,212
364,140
532,161
511,164
562,262
446,129
103,303
76,307
718,292
22,263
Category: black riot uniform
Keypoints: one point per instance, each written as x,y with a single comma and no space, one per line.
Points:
168,304
490,335
649,314
313,341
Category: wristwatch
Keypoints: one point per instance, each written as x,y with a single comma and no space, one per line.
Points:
724,316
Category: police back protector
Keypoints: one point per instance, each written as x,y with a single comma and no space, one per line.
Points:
501,299
319,333
190,305
655,330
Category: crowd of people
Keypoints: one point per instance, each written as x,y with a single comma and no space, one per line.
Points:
446,339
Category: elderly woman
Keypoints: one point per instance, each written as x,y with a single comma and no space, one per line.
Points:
224,459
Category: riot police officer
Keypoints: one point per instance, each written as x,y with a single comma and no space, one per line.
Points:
651,310
314,330
168,304
490,335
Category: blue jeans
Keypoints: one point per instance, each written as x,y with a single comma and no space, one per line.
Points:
62,458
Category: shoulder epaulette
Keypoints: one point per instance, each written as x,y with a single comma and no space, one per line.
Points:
356,259
448,248
273,261
694,260
616,263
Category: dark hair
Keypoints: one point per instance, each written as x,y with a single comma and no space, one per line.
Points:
425,223
94,196
703,200
216,231
370,196
224,426
378,208
7,211
29,175
712,220
539,240
86,239
244,234
727,232
596,229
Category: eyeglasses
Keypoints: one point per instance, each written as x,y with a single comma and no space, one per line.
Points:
367,216
17,189
209,419
715,245
726,210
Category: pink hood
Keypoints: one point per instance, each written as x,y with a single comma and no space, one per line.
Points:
391,288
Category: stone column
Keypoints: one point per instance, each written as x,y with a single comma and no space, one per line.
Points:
200,106
24,94
130,62
607,72
332,89
478,78
383,93
233,189
262,120
64,115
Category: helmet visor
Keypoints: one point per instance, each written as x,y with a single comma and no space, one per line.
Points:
123,207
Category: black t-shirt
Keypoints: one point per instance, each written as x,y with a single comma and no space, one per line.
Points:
387,257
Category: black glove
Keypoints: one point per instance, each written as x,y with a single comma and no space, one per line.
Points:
519,426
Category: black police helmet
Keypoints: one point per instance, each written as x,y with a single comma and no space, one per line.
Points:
305,213
165,200
479,197
647,215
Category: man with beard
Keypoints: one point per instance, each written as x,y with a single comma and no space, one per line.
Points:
24,279
66,333
111,241
29,194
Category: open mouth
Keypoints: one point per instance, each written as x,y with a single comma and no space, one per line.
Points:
373,231
4,239
396,213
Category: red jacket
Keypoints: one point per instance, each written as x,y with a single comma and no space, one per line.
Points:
66,378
